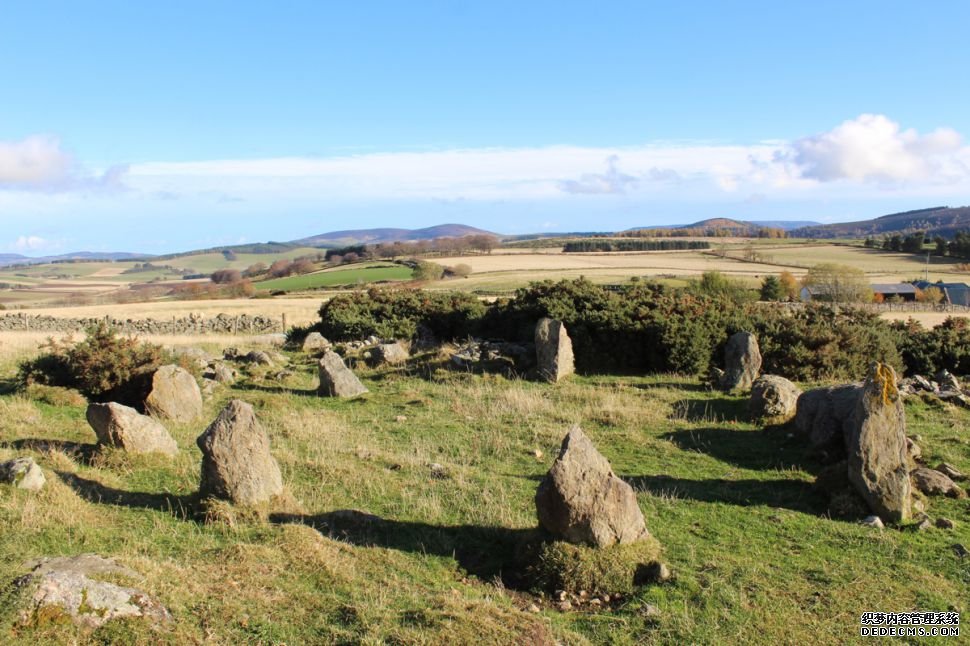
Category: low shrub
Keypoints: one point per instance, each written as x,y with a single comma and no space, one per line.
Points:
100,363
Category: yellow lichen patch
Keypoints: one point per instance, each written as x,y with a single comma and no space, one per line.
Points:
887,380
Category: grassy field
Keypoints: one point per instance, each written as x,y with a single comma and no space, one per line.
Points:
755,556
355,275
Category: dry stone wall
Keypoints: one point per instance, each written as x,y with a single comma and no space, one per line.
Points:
198,324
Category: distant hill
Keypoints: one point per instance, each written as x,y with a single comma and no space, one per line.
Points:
7,259
787,225
728,223
938,220
374,236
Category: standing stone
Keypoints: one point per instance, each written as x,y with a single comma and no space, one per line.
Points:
824,416
877,455
125,428
554,350
71,586
389,354
336,379
174,395
742,362
774,398
315,342
236,462
22,473
582,501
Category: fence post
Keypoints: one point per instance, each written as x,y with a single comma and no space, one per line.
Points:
284,323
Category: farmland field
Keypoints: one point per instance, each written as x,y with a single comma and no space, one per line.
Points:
357,274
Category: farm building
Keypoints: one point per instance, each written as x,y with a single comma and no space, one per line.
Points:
953,293
905,291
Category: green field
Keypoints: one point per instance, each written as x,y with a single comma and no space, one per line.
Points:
355,275
210,262
755,555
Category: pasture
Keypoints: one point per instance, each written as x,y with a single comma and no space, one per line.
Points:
756,557
358,274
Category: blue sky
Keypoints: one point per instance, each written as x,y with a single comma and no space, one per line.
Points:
165,126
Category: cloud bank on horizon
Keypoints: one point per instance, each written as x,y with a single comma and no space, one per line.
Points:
866,157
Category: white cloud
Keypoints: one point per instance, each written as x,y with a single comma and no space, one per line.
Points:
35,162
553,172
39,163
872,147
30,243
610,182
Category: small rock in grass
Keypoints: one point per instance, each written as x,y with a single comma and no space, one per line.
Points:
950,471
564,606
533,608
71,586
872,521
649,611
401,418
945,523
22,473
932,482
438,472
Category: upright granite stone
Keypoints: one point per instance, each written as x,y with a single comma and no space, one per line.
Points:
72,586
125,428
824,416
774,398
22,473
742,362
554,350
336,379
877,455
174,395
236,462
582,501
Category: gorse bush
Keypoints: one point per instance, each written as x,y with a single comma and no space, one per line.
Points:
646,327
945,347
397,314
101,363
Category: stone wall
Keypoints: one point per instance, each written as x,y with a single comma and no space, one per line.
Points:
193,324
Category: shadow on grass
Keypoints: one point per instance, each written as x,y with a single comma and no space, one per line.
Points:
768,449
486,552
182,507
79,451
674,385
796,495
8,386
711,410
276,390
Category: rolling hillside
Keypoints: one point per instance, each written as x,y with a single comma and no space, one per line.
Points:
373,236
940,220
